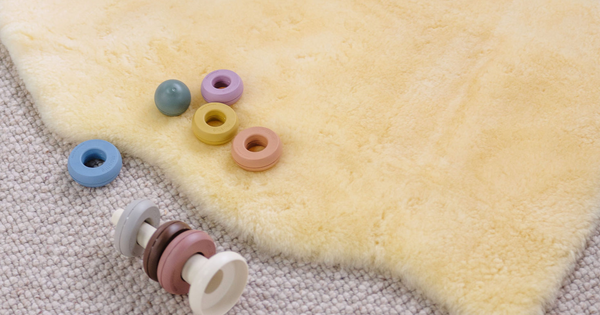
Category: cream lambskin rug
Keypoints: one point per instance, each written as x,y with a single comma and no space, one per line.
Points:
454,143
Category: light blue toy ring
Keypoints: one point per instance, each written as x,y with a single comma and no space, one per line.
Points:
95,150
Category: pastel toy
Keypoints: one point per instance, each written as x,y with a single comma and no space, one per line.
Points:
126,232
158,243
243,153
176,255
215,123
222,86
88,151
215,281
216,284
172,98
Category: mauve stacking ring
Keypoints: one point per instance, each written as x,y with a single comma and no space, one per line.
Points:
222,86
184,246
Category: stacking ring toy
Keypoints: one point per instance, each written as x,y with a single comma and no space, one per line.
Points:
256,161
210,113
184,246
136,213
88,151
158,243
188,263
222,86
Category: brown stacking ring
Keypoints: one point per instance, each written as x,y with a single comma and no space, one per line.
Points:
158,243
184,246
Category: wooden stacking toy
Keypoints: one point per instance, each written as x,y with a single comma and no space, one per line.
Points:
182,260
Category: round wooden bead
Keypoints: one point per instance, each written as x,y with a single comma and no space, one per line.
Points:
217,134
136,213
222,86
172,98
260,160
184,246
158,243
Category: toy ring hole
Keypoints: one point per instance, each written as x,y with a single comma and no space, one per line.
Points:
215,118
93,158
221,82
214,282
256,143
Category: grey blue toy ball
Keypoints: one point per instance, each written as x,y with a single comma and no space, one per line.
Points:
172,98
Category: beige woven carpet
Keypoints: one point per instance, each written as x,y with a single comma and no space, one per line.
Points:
452,144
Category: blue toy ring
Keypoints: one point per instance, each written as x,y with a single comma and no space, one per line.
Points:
95,150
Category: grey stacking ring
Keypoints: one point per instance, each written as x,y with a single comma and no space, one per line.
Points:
136,213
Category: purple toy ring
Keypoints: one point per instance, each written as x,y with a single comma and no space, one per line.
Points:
222,86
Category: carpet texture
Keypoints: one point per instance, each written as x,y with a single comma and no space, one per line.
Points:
57,257
451,143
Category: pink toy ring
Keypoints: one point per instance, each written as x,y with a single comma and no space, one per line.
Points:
256,161
184,246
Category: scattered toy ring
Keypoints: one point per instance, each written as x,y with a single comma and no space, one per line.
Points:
256,161
222,86
184,246
158,243
88,151
136,213
215,134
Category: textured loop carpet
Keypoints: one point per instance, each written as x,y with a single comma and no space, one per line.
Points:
453,144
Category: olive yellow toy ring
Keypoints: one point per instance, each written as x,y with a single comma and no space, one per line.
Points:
245,155
215,123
